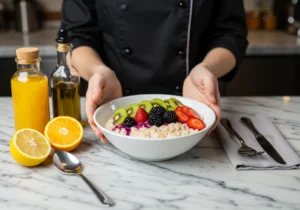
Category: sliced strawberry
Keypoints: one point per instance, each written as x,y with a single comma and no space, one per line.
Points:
184,109
141,115
178,108
192,113
195,123
181,116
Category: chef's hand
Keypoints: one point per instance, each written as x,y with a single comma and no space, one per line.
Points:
202,85
103,87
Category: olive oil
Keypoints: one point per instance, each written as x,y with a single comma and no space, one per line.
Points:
65,81
66,99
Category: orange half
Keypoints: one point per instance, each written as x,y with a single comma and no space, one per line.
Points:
64,133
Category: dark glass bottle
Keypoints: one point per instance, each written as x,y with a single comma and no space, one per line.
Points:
65,81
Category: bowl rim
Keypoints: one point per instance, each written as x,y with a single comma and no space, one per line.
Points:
153,139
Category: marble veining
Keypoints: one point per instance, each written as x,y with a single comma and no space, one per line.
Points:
202,178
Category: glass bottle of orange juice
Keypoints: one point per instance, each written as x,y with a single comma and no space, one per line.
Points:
30,94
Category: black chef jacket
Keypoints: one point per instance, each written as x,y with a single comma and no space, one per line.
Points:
152,45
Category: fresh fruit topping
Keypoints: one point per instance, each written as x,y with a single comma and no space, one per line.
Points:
155,119
146,105
158,110
141,116
195,123
158,102
176,101
192,113
170,117
64,133
181,116
184,109
171,106
132,109
178,108
129,122
119,116
29,147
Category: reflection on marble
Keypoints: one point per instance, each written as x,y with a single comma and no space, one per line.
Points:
202,178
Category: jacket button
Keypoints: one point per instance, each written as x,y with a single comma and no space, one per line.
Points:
127,91
182,4
128,51
181,53
123,6
178,89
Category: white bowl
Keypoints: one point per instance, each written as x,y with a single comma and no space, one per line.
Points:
152,149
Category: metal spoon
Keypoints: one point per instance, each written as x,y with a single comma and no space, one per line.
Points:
68,164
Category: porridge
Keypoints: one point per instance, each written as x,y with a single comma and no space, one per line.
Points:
155,119
147,131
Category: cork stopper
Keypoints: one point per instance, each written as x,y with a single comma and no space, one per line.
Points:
27,53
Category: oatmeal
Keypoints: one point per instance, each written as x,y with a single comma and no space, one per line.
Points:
158,118
147,131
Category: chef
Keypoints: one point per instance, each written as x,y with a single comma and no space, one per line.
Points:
125,47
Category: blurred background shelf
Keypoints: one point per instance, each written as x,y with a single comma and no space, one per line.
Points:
271,66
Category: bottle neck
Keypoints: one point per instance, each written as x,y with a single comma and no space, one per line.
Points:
61,58
62,52
33,65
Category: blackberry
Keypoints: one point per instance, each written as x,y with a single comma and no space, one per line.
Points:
155,119
170,117
129,122
158,110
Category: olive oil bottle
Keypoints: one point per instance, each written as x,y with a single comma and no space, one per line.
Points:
65,81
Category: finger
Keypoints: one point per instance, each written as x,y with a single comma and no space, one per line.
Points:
90,108
93,96
96,85
210,85
104,139
99,134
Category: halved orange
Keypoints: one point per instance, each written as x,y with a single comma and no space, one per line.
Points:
29,147
64,133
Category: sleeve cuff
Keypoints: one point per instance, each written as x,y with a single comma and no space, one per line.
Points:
85,42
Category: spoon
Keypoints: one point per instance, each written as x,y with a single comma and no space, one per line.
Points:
68,164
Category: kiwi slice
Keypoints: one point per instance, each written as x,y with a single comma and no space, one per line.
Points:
171,106
158,102
146,105
119,116
132,109
177,102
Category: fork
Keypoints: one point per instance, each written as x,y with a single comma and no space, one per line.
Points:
244,150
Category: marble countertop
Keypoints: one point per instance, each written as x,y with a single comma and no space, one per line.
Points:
202,178
260,43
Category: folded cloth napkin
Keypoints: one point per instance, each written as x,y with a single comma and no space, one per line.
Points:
264,125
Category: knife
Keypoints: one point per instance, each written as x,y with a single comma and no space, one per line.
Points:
264,143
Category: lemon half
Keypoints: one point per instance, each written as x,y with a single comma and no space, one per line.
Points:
29,147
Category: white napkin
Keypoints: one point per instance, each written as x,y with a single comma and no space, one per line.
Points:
231,144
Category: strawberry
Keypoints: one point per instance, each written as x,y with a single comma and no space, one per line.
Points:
141,115
181,116
178,108
192,113
184,109
195,123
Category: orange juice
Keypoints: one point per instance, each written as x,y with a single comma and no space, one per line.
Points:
30,94
31,102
